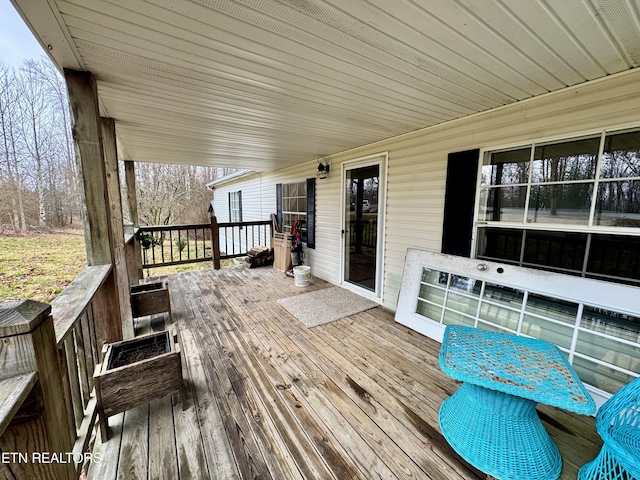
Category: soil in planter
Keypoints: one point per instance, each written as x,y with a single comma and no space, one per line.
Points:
127,358
138,351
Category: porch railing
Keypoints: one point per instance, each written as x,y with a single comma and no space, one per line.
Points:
237,238
75,313
49,366
363,233
166,245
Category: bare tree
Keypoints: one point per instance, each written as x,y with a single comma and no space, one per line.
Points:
171,194
64,191
36,124
10,178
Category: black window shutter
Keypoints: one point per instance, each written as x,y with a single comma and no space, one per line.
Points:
240,204
460,196
311,213
230,214
279,204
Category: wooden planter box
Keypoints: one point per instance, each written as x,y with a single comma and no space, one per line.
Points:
135,372
149,299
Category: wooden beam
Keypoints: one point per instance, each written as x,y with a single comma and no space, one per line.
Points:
87,133
132,196
132,200
117,224
83,97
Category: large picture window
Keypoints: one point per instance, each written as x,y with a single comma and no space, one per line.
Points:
570,206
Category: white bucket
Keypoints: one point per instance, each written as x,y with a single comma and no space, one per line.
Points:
302,275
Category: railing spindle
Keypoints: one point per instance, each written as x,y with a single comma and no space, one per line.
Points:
82,361
74,380
171,244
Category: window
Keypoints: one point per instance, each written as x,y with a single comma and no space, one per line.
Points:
571,206
235,206
297,201
596,324
605,350
294,205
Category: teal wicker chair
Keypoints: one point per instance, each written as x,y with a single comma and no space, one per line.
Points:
618,423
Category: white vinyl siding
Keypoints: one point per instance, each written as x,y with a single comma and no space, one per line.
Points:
253,208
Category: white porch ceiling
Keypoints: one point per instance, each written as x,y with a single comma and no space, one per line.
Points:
264,84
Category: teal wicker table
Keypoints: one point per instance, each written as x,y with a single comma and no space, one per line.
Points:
491,420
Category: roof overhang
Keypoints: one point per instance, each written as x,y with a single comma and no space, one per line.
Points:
228,178
264,84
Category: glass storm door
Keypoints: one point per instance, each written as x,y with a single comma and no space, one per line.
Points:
362,198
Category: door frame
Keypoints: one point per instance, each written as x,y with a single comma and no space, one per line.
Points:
381,159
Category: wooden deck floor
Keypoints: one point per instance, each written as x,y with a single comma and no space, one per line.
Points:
267,398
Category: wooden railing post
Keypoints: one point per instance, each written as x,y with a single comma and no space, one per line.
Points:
43,426
215,242
132,254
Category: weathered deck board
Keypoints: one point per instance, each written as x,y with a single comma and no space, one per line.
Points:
163,462
227,384
134,450
266,397
192,462
106,455
375,423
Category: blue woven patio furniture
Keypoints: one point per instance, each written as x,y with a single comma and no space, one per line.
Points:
491,420
618,423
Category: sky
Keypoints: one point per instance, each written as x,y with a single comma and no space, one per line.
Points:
17,43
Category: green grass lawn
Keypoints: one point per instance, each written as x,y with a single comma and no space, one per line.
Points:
39,266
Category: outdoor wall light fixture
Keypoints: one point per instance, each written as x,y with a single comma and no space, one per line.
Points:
323,168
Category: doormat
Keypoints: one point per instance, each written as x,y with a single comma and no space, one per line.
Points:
326,305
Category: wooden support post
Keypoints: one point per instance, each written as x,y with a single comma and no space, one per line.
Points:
83,97
87,133
117,224
132,200
132,195
215,242
44,426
